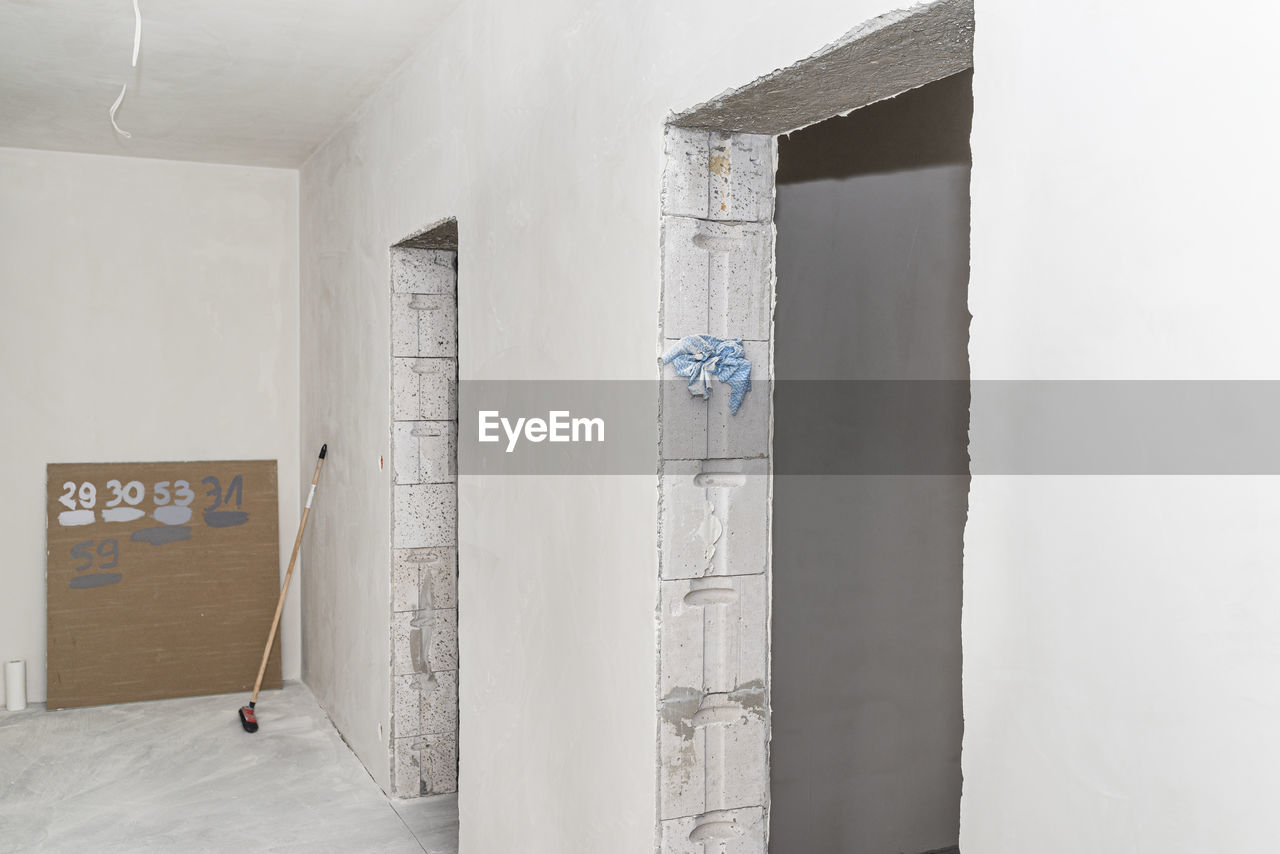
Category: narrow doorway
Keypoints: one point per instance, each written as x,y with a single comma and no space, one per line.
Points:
424,745
871,476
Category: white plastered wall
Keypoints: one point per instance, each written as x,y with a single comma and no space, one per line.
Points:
539,126
1121,642
148,311
1119,634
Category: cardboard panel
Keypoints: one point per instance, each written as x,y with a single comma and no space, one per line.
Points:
162,579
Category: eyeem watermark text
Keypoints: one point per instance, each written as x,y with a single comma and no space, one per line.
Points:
559,426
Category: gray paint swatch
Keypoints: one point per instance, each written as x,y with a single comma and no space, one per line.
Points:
161,535
225,518
172,514
95,579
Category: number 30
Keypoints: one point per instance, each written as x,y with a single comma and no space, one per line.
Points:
130,493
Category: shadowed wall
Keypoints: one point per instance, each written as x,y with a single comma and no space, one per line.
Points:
872,260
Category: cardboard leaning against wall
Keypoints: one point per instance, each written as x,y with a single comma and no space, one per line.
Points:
161,579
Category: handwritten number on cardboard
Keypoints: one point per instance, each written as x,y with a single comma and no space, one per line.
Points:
130,493
235,488
108,552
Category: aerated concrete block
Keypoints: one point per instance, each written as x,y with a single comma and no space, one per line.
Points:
406,708
424,325
439,578
746,433
407,654
404,327
688,535
740,279
740,831
737,759
442,646
406,766
439,703
439,763
685,266
681,755
424,641
437,324
714,517
405,581
684,417
424,389
740,170
423,271
405,463
437,450
425,515
713,710
714,634
716,765
685,179
424,579
424,451
425,764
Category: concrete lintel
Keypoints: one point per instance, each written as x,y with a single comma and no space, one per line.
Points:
443,235
882,58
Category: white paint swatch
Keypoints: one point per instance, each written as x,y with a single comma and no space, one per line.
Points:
70,518
122,514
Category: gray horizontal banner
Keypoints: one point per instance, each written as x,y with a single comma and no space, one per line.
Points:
891,427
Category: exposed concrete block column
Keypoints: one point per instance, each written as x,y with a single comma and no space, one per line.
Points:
424,620
714,514
713,705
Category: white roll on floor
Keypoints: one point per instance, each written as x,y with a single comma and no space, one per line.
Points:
15,685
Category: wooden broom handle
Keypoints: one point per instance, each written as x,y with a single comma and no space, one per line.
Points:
297,544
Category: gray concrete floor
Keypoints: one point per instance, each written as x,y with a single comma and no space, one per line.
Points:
183,776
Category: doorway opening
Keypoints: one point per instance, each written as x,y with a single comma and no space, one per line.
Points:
424,528
870,490
719,564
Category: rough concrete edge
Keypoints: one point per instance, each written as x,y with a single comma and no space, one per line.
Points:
704,115
387,463
656,746
767,806
442,234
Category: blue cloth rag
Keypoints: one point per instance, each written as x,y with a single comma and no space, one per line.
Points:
700,357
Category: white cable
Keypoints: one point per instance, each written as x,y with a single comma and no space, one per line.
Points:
112,113
137,45
137,32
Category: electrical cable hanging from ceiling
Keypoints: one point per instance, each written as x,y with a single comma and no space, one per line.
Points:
112,113
137,45
137,32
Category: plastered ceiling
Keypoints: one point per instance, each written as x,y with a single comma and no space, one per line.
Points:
259,82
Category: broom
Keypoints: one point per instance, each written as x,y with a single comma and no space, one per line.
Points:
247,717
